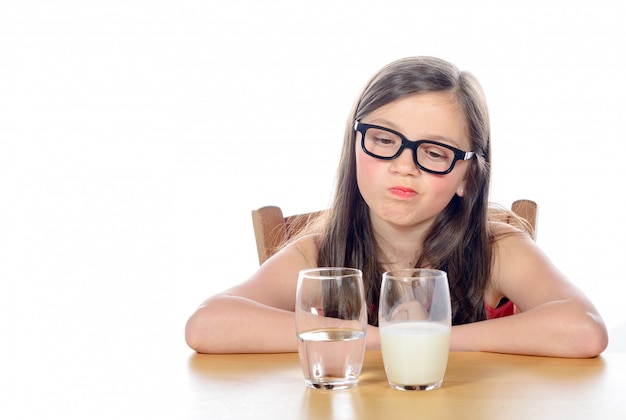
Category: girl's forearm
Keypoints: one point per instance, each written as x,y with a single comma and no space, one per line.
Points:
555,329
233,324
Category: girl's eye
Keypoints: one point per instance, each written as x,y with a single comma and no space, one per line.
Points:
434,153
383,141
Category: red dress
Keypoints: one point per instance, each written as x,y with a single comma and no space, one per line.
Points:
504,308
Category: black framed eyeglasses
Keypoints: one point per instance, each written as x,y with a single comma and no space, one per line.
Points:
430,156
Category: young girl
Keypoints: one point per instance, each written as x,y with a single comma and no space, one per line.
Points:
412,191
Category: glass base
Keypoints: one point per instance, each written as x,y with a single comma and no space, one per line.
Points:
330,383
427,387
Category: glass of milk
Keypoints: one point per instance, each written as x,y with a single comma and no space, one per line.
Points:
414,319
331,322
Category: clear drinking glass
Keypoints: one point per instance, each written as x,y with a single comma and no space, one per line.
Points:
414,321
331,322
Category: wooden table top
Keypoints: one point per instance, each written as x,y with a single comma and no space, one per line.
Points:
476,385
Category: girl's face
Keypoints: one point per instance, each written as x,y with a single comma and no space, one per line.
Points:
397,191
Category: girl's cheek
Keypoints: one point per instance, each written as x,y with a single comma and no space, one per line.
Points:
369,163
368,168
445,185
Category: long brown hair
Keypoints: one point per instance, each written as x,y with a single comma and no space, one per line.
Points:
459,241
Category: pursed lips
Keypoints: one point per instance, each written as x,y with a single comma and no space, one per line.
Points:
404,192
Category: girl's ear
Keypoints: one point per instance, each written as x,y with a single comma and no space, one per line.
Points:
461,190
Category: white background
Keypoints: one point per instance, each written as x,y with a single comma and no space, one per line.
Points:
137,136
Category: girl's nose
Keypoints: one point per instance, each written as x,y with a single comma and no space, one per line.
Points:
404,164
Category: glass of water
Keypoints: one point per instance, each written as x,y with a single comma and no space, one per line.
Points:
414,318
331,322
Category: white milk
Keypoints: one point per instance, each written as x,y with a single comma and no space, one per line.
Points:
415,353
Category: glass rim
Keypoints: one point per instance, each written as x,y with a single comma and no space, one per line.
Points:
340,272
411,273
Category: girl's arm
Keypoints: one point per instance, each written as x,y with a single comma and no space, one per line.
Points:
556,318
256,316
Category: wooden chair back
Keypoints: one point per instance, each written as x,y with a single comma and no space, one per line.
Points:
272,228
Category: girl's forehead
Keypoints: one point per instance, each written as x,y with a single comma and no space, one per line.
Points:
422,100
